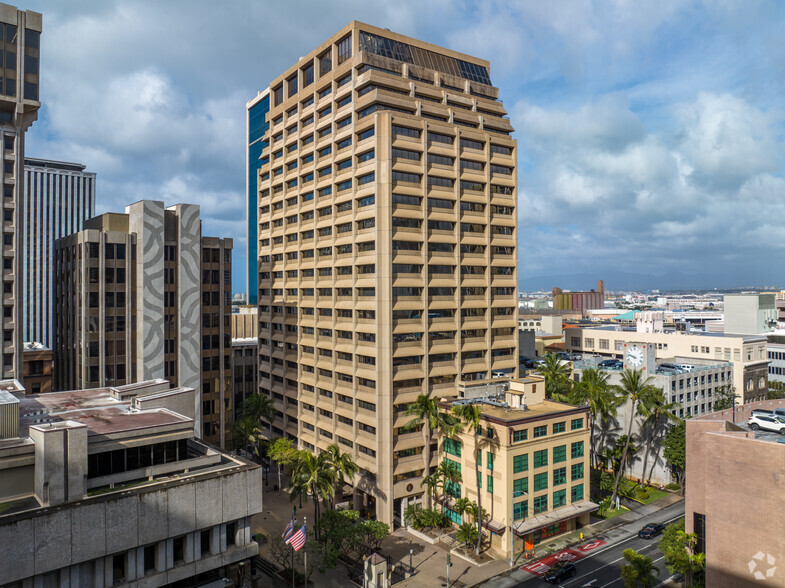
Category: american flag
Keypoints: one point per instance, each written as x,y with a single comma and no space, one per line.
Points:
287,532
298,539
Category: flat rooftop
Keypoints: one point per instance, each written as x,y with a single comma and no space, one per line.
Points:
99,409
511,415
620,329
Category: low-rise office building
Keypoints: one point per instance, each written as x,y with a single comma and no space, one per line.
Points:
534,462
109,486
747,353
734,502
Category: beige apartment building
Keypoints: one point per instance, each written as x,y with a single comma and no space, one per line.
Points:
142,295
20,41
534,463
747,353
387,244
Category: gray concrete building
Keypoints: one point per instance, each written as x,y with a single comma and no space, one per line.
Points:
20,37
109,487
59,198
750,314
142,295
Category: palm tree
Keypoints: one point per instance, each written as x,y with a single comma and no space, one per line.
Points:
314,476
449,474
557,377
641,570
657,411
432,482
471,415
639,392
427,415
343,464
594,391
257,407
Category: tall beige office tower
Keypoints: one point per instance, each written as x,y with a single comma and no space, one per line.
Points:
387,243
20,37
143,295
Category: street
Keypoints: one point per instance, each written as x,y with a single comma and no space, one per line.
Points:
600,567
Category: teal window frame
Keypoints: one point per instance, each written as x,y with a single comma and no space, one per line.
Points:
518,436
540,504
453,516
576,471
577,449
576,424
560,454
559,498
560,476
452,446
489,481
489,455
540,481
541,458
520,485
559,427
576,493
520,510
540,431
520,463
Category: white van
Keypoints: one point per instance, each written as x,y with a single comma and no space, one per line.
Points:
687,367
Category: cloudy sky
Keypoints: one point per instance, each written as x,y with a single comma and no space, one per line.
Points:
650,132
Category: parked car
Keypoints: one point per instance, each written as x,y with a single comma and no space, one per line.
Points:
767,423
611,363
575,357
686,367
779,412
560,571
651,530
671,366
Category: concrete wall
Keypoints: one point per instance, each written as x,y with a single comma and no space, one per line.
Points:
95,528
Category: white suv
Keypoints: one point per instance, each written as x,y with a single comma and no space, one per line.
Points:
767,423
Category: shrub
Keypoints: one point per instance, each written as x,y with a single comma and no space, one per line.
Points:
673,486
643,495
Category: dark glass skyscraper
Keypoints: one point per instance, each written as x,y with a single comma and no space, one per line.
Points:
257,127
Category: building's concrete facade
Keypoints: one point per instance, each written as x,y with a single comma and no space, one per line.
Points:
116,490
143,295
534,463
19,104
579,301
59,197
245,363
733,501
747,353
37,373
750,314
245,322
387,243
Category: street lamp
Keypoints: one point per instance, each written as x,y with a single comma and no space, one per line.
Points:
515,494
411,552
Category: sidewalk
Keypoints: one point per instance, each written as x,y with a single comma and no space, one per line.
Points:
429,561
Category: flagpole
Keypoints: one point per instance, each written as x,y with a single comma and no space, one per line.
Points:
305,555
292,546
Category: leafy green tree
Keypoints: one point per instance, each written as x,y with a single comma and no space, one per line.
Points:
724,398
640,571
657,413
257,407
775,391
467,534
247,435
432,482
471,415
348,537
448,475
313,476
426,414
557,378
679,550
639,392
594,391
283,453
674,450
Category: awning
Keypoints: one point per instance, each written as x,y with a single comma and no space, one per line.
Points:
495,526
555,516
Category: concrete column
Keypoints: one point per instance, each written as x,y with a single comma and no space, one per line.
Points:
215,540
160,556
108,571
222,531
247,530
130,565
140,562
169,547
197,545
98,573
189,547
65,578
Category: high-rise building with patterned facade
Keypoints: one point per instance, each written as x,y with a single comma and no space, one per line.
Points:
387,243
59,197
141,296
20,41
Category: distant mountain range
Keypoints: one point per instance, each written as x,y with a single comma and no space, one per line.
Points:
617,280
